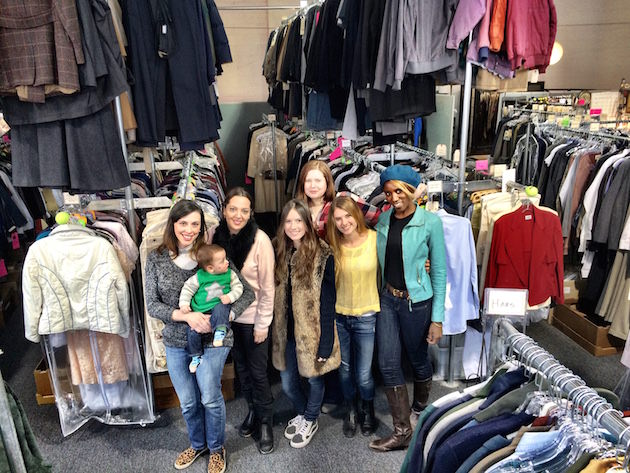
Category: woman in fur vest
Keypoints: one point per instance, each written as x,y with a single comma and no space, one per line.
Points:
304,338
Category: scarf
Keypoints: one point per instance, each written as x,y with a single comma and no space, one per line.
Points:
236,246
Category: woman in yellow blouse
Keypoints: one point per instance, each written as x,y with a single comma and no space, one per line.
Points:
356,262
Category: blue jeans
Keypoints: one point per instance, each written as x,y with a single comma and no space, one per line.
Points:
220,315
200,395
356,341
308,404
398,326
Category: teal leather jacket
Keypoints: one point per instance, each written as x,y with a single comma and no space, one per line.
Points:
422,239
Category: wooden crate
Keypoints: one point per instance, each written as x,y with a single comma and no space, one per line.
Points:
581,330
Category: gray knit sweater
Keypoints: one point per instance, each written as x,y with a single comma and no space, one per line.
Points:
164,282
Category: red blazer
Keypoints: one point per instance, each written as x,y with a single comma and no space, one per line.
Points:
526,253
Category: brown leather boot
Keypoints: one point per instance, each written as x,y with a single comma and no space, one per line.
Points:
399,404
421,390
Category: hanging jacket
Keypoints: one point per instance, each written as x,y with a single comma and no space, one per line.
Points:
72,280
422,238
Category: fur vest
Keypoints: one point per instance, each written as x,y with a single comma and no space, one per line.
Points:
306,302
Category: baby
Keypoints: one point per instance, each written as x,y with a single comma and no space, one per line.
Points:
211,290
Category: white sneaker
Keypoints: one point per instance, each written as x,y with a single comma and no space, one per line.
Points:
293,426
303,436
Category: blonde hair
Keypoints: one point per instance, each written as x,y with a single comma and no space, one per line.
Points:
315,165
308,251
334,236
407,189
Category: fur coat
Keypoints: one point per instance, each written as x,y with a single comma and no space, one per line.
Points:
306,315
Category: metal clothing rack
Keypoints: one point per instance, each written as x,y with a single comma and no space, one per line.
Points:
9,434
359,158
564,383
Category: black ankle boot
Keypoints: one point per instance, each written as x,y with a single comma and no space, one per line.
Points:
350,420
265,439
247,427
369,422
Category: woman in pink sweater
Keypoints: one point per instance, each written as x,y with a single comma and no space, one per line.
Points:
249,248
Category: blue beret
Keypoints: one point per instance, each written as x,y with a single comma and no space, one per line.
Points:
400,172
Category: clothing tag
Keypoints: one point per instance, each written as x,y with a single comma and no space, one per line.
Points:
481,165
576,122
164,29
346,143
15,241
302,25
3,269
4,126
528,217
69,199
551,118
594,127
285,86
507,135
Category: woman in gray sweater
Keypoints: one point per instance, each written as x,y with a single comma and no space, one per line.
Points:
199,394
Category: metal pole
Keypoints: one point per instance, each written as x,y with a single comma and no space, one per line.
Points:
463,133
9,436
527,155
128,194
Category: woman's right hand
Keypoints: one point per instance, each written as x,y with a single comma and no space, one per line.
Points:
197,321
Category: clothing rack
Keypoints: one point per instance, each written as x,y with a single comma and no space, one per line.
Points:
359,158
9,434
564,382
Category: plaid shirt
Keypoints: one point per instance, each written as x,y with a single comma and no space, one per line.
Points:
370,213
40,44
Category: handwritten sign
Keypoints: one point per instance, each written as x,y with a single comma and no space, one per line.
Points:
511,302
434,187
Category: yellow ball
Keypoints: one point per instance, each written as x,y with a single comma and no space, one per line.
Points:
62,218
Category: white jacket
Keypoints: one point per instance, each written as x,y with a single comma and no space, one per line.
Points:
72,280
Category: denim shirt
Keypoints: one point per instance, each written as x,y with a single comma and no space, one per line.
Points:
422,239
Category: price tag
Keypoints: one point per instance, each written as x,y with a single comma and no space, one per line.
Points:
302,25
3,269
271,117
498,170
285,86
346,143
440,150
434,187
15,241
4,126
481,165
551,118
511,302
594,127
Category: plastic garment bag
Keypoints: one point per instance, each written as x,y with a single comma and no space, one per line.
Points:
97,375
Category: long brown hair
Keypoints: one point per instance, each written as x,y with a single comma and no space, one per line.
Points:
334,236
315,165
309,248
178,211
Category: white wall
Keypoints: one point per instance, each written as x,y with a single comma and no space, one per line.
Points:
595,35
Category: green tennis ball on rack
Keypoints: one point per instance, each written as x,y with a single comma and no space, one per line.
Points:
531,191
62,218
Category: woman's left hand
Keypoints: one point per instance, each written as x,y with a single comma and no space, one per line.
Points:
260,335
435,333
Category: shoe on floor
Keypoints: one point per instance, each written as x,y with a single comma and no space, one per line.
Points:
194,363
187,457
217,463
303,436
293,426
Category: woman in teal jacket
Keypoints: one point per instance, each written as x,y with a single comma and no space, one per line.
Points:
412,300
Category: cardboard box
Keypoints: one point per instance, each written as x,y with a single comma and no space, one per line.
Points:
43,385
572,288
164,393
591,337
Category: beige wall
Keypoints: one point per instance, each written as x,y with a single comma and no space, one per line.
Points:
595,36
248,31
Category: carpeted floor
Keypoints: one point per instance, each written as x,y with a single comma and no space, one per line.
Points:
97,448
